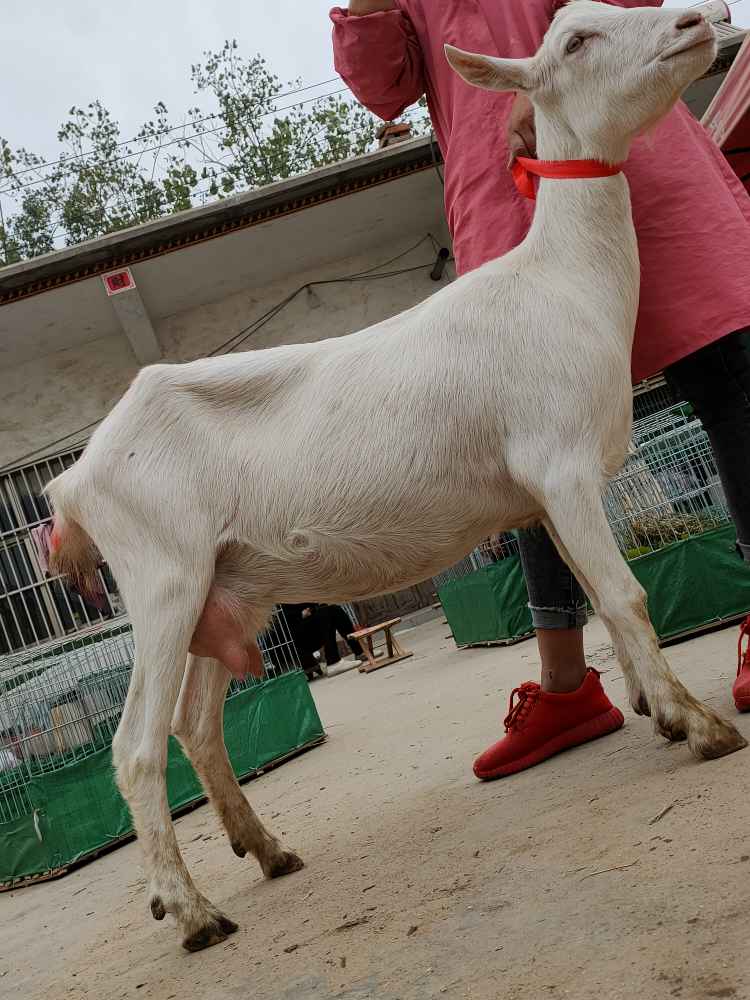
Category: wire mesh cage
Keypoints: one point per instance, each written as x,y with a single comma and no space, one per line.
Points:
491,550
36,605
669,487
65,663
62,702
652,397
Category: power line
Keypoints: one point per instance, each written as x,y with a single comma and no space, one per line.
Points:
172,128
243,335
417,115
198,121
174,142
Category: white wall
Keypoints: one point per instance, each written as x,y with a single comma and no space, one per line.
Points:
58,391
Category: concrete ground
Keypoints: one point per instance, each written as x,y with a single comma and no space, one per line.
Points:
617,870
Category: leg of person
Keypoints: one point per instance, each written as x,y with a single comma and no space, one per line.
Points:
304,637
716,382
569,707
198,723
327,631
306,659
558,612
344,626
308,663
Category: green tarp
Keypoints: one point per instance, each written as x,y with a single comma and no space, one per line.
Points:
489,605
695,583
690,584
78,809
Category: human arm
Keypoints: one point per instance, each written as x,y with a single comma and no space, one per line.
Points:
377,54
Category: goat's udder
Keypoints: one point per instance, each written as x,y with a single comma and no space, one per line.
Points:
219,636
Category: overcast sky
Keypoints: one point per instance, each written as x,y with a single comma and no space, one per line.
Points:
131,55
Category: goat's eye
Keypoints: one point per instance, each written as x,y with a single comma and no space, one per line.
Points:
574,44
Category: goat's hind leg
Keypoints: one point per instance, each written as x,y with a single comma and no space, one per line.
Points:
198,724
577,516
164,606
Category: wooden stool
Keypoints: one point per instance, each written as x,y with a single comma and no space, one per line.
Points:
396,652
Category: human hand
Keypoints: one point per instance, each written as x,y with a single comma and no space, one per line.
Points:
306,612
521,134
358,8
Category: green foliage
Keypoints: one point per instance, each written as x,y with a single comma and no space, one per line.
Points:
100,183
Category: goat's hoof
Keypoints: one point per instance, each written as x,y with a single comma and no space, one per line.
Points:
722,740
158,910
284,864
238,849
214,932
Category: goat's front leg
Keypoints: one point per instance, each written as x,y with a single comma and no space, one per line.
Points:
585,541
164,607
198,724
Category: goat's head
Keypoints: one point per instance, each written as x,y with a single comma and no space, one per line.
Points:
602,75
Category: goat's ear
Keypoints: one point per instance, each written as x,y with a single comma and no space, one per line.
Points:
489,72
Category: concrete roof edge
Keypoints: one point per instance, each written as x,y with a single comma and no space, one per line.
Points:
170,231
173,232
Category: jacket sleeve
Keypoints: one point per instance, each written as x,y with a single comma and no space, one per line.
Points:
379,58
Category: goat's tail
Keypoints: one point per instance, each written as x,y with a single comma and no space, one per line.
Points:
71,550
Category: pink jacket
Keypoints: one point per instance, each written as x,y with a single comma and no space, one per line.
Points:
691,213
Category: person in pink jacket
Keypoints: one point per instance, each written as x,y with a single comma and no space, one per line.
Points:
692,217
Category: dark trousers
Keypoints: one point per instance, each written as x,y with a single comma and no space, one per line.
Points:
333,619
715,380
317,630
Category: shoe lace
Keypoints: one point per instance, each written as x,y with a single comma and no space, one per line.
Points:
527,695
743,656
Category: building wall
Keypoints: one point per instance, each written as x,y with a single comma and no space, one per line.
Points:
61,390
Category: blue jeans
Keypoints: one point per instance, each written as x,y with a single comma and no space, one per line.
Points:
715,380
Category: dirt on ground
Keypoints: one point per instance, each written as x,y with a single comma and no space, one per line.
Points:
618,870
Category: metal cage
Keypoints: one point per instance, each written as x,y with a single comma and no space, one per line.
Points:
669,487
652,397
62,702
36,606
491,550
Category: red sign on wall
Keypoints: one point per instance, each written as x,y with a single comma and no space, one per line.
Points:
118,281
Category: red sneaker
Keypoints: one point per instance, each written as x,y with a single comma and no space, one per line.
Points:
541,724
741,686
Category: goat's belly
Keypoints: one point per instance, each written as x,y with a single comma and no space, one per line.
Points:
378,552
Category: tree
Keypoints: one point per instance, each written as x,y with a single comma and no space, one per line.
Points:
260,139
101,183
97,185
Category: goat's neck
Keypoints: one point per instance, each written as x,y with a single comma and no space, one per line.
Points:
585,226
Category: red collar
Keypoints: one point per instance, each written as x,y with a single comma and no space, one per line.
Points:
523,167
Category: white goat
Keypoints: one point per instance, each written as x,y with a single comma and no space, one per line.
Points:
502,401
